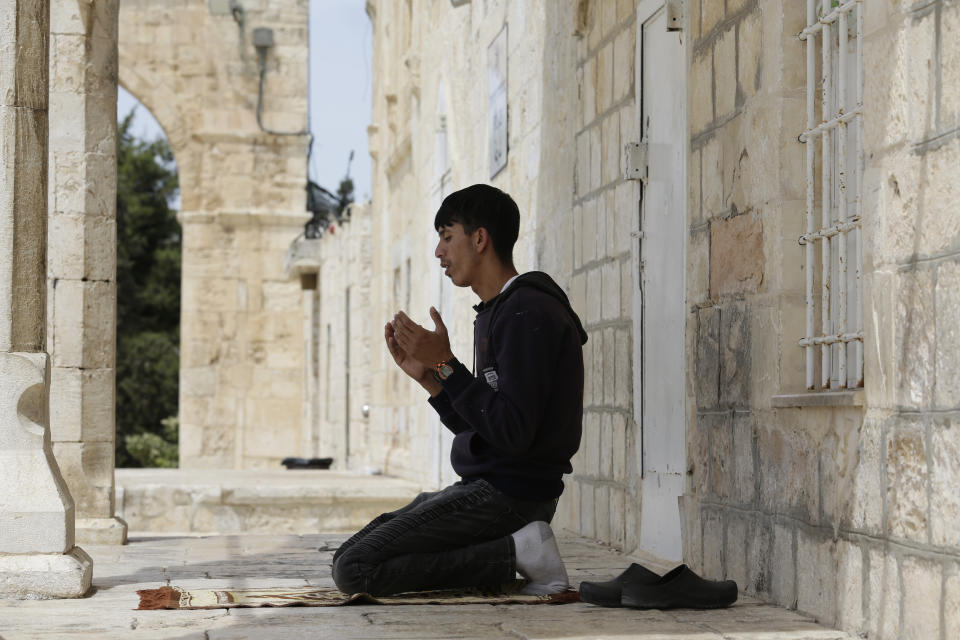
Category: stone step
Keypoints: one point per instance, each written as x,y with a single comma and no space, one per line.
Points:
254,501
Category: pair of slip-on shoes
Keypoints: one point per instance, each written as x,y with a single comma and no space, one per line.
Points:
640,588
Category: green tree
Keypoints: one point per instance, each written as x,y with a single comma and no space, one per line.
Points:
148,301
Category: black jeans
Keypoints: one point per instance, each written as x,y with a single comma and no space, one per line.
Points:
456,537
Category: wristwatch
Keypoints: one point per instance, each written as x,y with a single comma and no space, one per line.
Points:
444,370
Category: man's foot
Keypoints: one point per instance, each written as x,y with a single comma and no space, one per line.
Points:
538,560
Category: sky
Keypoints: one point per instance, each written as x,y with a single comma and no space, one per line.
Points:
340,94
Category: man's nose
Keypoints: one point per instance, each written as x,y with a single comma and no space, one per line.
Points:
436,252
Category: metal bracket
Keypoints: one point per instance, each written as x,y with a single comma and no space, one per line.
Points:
635,161
674,15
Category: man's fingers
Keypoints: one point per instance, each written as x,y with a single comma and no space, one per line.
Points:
438,321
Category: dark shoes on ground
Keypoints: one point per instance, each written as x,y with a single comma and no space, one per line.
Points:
640,588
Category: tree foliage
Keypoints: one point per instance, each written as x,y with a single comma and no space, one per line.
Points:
148,301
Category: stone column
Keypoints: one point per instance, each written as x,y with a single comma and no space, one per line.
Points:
38,558
82,258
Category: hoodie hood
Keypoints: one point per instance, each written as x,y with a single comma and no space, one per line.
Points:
543,282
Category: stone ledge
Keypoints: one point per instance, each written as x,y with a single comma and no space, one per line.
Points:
818,399
254,501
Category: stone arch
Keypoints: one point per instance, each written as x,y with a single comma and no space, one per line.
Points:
243,201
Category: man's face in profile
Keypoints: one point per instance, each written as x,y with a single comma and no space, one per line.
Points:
455,251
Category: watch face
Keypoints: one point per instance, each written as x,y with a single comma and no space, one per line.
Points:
444,371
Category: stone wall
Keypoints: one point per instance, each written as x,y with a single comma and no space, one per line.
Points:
840,511
602,496
340,330
243,201
834,504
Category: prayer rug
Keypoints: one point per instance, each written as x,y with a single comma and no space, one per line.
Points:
177,598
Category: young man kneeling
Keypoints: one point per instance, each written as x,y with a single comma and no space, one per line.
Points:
516,424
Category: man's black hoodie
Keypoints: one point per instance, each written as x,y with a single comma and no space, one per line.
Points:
518,422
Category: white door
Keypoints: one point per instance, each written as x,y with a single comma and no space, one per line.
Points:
660,280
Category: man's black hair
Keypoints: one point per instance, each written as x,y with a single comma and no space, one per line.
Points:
483,206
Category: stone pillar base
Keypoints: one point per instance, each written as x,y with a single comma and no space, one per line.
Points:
101,531
45,576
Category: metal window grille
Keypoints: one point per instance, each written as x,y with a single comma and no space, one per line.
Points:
838,340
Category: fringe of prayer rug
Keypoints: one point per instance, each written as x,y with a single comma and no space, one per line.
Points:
177,598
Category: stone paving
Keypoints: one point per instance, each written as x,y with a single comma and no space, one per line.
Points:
304,560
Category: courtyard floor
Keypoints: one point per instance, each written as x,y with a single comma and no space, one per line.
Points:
248,560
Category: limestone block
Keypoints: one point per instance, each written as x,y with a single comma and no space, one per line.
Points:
736,255
907,471
693,12
947,323
735,549
816,579
599,350
788,461
66,403
43,576
884,595
887,69
602,221
725,73
623,369
698,459
97,418
712,178
759,543
922,79
612,148
921,598
701,92
707,367
944,476
601,506
617,517
743,458
694,191
721,456
22,265
951,603
711,15
604,78
949,68
624,54
735,355
605,450
866,498
712,544
783,567
587,511
915,334
608,364
84,325
610,283
618,448
850,586
596,158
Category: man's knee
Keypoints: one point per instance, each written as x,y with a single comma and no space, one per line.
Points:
346,573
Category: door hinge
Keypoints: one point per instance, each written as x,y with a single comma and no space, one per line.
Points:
674,15
635,161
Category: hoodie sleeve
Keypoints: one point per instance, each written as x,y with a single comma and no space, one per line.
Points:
448,416
525,342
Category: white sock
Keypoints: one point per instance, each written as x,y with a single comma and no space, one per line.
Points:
538,559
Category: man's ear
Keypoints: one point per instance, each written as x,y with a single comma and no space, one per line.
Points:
481,239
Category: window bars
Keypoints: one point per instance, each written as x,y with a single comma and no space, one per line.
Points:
841,199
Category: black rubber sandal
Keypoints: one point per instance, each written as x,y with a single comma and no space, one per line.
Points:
608,594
